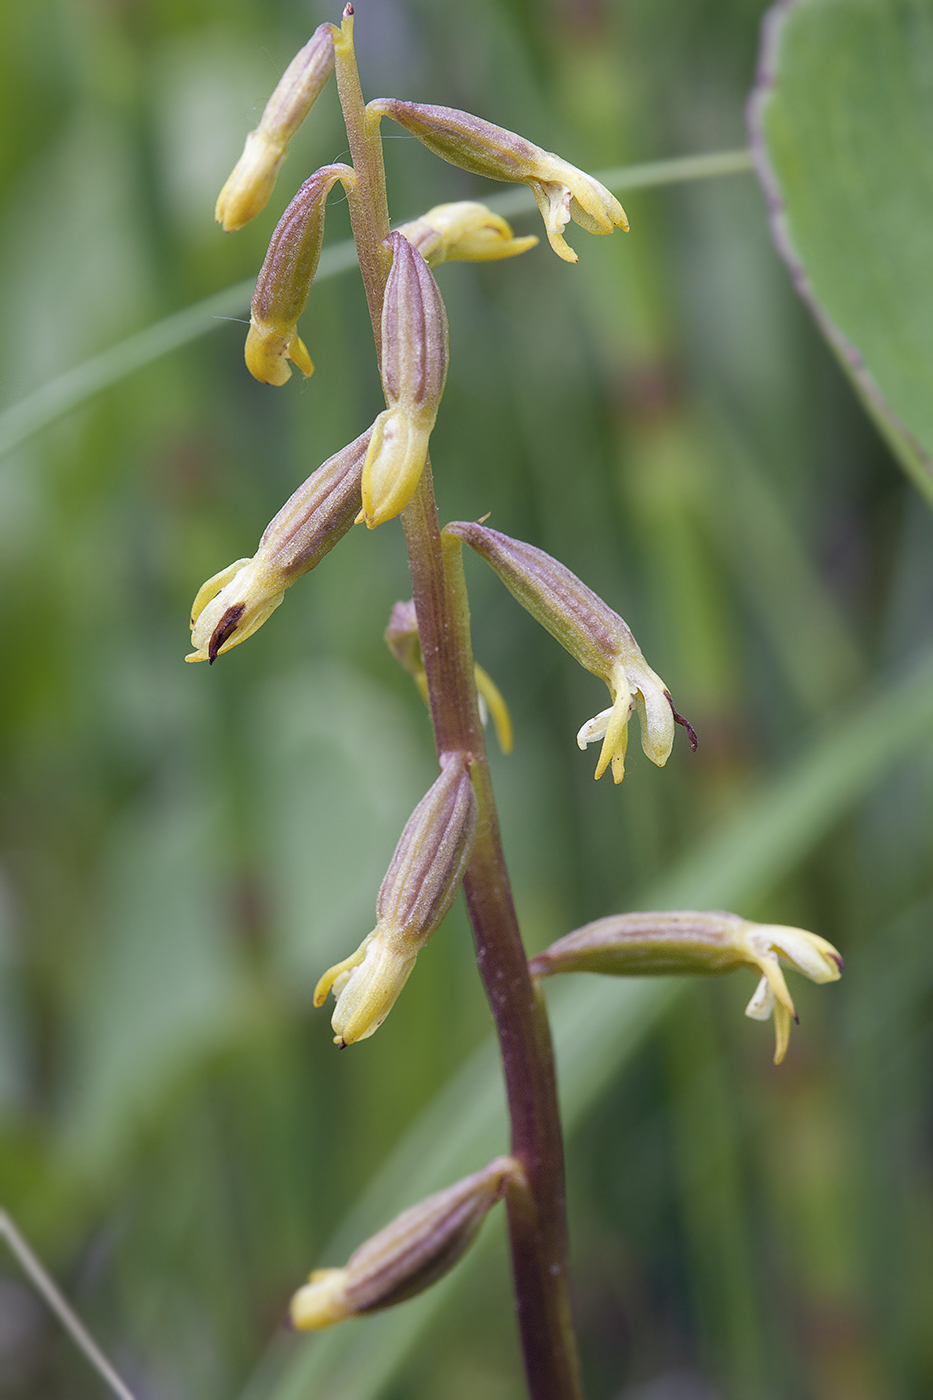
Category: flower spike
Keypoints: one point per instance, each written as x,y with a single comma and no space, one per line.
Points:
595,636
561,191
691,943
247,191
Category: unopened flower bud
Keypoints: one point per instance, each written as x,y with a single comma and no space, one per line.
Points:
414,367
463,232
402,638
410,1254
247,191
595,636
689,943
233,604
418,890
404,643
285,279
561,191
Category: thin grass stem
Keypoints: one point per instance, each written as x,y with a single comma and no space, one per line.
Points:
50,1293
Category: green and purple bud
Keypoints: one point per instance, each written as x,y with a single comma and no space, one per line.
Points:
414,368
419,887
284,281
410,1254
247,191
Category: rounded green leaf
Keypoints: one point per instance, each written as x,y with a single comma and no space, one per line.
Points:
841,119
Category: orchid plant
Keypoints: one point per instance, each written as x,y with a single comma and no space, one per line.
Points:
453,837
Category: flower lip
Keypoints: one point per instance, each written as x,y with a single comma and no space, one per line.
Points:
224,629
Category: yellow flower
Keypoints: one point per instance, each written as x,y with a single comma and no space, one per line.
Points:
767,946
398,450
366,985
233,605
632,685
402,638
463,232
562,192
285,278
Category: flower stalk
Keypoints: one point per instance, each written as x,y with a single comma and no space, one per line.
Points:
537,1229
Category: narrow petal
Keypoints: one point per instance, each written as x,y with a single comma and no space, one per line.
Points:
655,713
781,1032
762,1003
616,740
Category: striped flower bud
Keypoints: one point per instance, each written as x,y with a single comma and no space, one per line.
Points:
689,943
247,191
233,604
463,232
561,191
414,367
285,279
403,641
418,890
410,1254
595,636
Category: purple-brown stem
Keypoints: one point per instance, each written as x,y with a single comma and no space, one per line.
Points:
537,1225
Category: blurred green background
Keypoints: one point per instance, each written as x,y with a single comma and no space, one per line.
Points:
184,850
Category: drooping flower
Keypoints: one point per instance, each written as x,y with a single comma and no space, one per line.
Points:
688,942
595,636
561,191
402,639
409,1254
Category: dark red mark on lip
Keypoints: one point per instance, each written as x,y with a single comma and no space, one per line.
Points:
224,630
